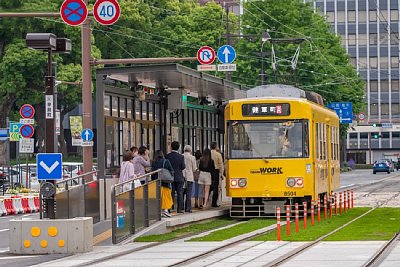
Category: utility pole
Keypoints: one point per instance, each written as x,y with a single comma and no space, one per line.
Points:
87,91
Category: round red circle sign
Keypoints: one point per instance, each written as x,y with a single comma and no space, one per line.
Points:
106,12
73,12
361,116
206,55
27,131
27,111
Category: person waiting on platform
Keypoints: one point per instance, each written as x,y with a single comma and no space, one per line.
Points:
188,173
197,188
206,167
134,151
178,164
160,162
140,162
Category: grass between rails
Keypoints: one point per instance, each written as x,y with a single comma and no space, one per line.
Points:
380,224
236,230
187,230
316,231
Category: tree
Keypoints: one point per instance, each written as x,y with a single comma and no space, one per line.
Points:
323,65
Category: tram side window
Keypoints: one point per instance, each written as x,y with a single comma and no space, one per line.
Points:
306,139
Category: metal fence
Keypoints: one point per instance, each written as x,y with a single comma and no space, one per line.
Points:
77,198
134,208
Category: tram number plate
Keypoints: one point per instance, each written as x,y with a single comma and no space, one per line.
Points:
289,193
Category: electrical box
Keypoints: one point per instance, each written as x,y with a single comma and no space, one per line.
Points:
177,99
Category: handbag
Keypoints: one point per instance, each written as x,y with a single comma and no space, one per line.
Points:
166,176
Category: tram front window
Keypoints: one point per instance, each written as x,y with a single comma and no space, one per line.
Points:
268,139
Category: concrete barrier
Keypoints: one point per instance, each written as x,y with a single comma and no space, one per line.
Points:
3,210
28,236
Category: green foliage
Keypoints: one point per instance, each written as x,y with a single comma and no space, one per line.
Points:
323,65
10,3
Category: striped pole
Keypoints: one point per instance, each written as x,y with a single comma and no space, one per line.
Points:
344,201
288,220
352,199
330,205
325,208
348,199
336,201
312,212
319,210
278,223
305,215
296,210
340,202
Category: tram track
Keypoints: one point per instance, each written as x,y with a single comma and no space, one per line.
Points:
280,260
383,252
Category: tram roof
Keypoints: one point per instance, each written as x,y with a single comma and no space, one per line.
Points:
176,76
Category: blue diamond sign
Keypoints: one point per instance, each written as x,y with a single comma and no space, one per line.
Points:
49,166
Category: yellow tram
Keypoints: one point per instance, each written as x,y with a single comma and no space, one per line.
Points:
281,149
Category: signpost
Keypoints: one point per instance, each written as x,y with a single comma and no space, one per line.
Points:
27,111
27,146
87,137
27,131
206,55
344,110
106,12
226,55
73,12
49,166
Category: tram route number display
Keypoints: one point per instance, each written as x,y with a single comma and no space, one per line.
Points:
270,109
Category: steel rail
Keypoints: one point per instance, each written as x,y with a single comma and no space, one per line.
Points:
288,256
383,252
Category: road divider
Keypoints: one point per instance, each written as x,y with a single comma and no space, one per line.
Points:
11,205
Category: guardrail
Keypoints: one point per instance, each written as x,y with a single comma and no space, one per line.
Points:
134,208
78,198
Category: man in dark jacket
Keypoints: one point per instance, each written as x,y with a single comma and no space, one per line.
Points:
178,164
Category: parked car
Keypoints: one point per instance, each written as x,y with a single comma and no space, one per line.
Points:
382,165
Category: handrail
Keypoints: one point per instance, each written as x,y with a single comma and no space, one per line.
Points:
76,177
138,177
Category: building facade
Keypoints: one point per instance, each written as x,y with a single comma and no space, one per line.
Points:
370,34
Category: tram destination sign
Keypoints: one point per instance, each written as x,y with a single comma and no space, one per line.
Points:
267,109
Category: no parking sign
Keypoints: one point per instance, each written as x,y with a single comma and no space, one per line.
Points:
73,12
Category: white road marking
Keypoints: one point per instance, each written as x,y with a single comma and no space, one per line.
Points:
4,230
47,168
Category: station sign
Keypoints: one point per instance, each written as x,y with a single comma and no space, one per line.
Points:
270,109
49,107
106,12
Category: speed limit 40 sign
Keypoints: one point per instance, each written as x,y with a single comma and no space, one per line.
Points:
106,12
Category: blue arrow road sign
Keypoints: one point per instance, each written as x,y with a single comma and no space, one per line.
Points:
87,135
49,166
344,110
226,54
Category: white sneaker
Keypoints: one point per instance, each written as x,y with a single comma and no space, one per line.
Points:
166,213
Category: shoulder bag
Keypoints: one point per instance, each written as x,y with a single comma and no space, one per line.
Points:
166,176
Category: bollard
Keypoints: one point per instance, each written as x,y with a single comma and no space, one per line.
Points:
305,215
330,206
340,202
278,224
319,210
336,200
325,208
352,199
348,200
344,200
288,220
296,210
312,212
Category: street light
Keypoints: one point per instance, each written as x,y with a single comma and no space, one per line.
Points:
50,43
265,37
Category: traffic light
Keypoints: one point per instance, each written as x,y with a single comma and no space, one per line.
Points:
375,135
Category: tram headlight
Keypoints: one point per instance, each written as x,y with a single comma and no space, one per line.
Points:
290,182
238,182
242,182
